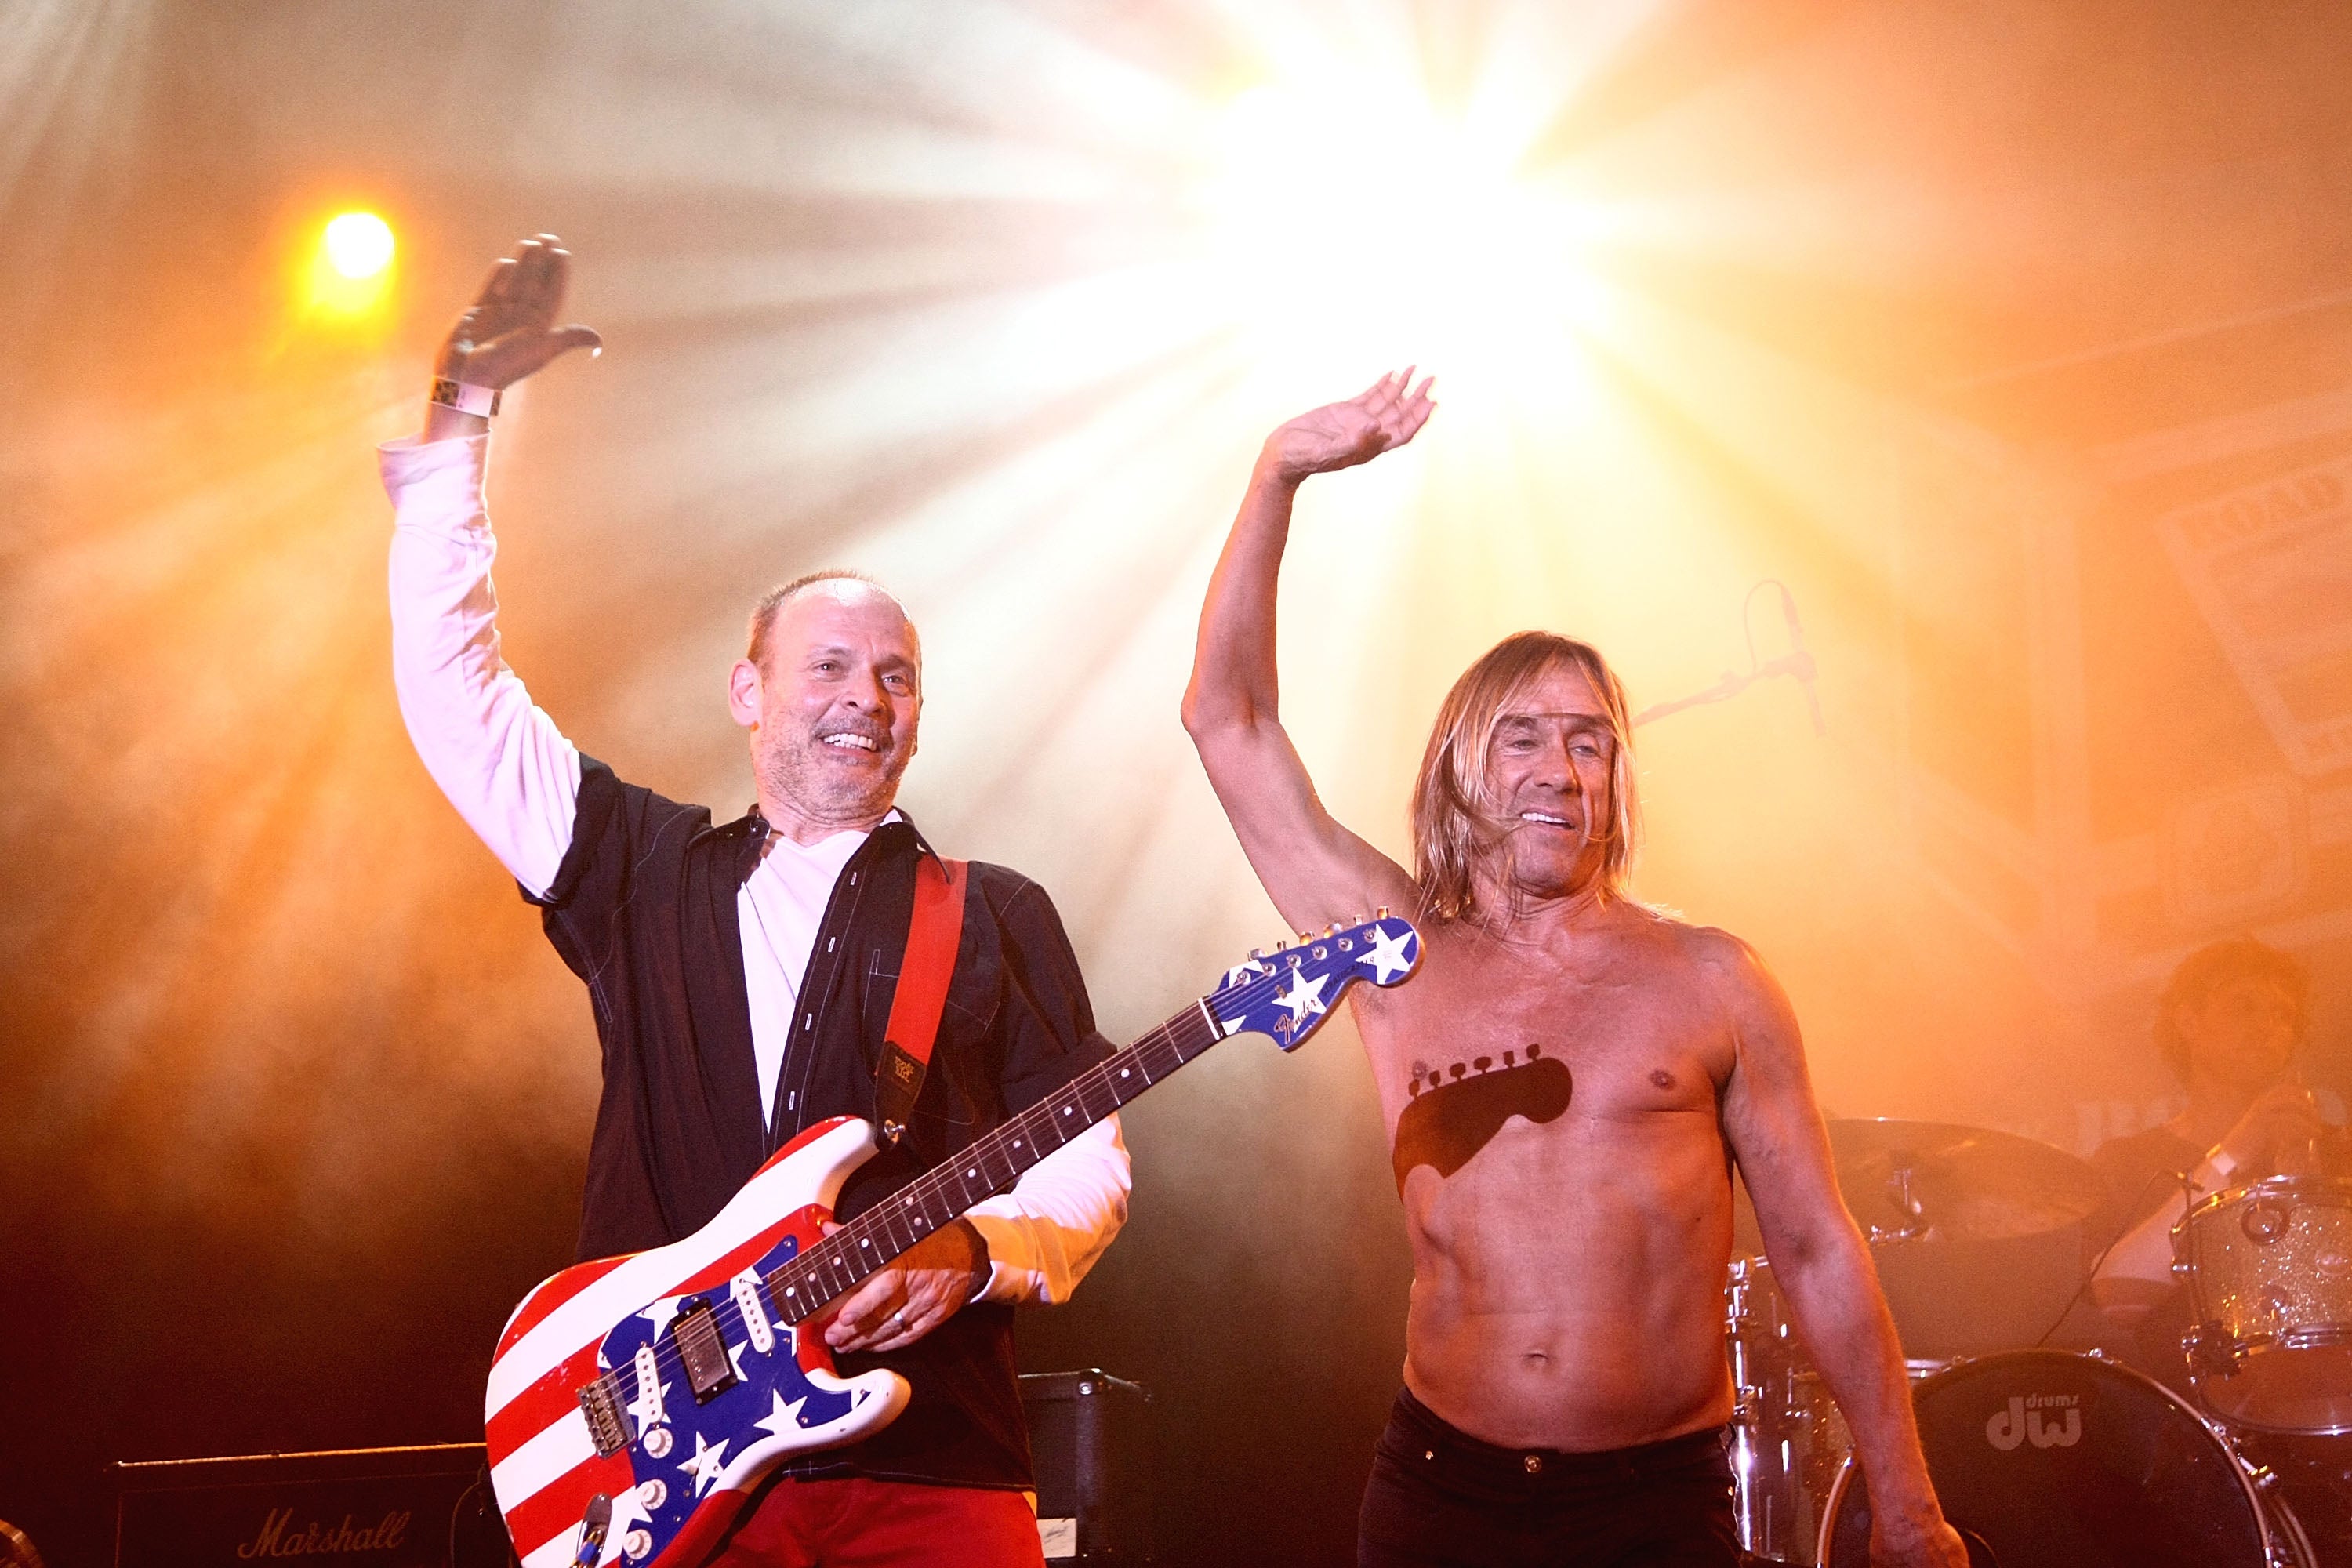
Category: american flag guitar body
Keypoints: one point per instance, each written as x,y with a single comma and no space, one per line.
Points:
636,1402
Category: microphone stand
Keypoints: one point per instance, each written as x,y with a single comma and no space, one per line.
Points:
1797,664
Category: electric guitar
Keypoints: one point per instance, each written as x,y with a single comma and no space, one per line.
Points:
636,1402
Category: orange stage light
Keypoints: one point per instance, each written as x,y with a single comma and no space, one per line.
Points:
349,271
357,244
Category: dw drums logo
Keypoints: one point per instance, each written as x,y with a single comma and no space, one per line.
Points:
2034,1420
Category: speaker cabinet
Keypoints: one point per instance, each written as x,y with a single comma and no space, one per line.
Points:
426,1507
1089,1436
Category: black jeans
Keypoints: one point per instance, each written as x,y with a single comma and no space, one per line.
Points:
1439,1498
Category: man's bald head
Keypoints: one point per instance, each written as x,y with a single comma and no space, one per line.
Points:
850,587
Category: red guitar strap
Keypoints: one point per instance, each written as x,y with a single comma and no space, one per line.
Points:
932,935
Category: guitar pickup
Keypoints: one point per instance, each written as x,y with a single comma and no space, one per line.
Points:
702,1350
600,1402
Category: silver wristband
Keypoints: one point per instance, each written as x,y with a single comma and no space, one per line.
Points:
465,398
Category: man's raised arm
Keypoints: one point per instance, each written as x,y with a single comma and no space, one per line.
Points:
502,762
1315,871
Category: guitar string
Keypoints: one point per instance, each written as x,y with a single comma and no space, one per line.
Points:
728,1313
668,1358
725,1314
837,1249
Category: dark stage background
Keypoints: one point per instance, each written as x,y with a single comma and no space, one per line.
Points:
1940,313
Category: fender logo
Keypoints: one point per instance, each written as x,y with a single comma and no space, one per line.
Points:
2017,1425
277,1538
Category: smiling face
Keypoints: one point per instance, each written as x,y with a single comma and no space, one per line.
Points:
2240,1033
1527,789
1549,769
833,705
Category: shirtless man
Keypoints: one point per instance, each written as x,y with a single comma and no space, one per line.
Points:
1565,1085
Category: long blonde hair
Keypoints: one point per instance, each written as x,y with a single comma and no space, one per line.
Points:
1453,819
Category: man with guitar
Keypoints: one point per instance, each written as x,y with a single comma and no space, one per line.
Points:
1567,1085
743,979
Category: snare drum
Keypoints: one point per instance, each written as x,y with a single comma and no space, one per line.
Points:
2055,1461
2269,1269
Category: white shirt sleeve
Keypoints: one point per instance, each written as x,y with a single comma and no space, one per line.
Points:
1045,1233
502,762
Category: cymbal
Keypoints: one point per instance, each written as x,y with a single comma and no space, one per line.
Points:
1924,1182
1934,1181
1976,1234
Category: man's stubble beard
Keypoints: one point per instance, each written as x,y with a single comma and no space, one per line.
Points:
789,772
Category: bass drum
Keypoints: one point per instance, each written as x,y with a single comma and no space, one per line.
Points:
2043,1460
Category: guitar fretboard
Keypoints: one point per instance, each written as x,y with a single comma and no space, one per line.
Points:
940,1196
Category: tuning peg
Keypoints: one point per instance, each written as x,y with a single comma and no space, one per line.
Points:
1282,947
1305,937
1257,953
1383,913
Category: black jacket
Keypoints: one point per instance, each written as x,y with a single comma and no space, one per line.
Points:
643,910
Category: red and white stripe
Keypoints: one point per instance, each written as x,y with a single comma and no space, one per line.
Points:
543,1465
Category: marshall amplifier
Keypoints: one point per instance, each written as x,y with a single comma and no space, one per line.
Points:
426,1507
1090,1442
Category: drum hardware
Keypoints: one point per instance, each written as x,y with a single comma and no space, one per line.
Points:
2211,1352
2268,1267
1788,1438
1901,1191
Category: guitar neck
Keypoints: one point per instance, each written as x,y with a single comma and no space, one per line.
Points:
991,1164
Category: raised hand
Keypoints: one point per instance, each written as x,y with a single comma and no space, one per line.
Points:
1387,413
510,331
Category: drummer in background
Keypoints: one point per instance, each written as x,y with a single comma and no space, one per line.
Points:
2231,1025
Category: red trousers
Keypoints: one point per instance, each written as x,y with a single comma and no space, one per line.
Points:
859,1523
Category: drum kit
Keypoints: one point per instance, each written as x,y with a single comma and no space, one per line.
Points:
2050,1457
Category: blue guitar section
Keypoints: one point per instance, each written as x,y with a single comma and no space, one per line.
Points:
1287,992
698,1442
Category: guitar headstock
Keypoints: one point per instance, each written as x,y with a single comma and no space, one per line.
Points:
1288,993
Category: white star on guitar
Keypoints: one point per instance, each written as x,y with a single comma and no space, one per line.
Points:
783,1420
1386,955
1304,997
707,1459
